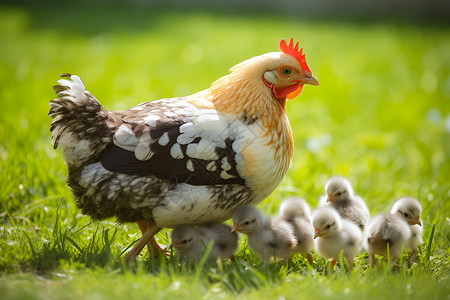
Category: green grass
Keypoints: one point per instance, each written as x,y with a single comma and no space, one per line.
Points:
381,117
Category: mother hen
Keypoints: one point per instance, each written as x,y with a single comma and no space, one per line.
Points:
187,160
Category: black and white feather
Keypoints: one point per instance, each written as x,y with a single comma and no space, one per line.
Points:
169,160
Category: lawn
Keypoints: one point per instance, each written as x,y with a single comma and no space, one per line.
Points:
381,117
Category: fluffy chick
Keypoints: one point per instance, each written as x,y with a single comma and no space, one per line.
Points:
341,197
187,243
385,232
297,213
335,235
397,229
190,242
268,237
225,241
409,209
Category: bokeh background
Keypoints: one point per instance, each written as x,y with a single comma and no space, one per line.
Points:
381,115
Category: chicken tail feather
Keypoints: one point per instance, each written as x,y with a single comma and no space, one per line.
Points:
81,126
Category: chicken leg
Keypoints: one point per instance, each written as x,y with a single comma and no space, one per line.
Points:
150,230
157,248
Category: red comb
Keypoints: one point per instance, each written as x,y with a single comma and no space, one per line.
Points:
293,50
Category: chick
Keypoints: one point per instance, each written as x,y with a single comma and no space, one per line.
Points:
336,235
190,242
386,232
341,197
297,213
410,209
225,241
187,243
397,229
268,237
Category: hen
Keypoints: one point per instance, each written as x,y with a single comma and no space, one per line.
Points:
187,160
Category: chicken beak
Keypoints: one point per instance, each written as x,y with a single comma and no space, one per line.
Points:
236,228
317,233
307,79
417,221
310,79
330,198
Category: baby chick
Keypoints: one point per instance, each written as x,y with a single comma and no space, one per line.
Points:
268,237
225,241
297,213
396,229
190,242
410,209
336,235
341,197
386,231
186,242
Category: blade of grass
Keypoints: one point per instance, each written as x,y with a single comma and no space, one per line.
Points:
429,245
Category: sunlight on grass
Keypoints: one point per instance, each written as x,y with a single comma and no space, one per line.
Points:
381,117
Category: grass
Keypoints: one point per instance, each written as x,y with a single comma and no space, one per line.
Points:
381,117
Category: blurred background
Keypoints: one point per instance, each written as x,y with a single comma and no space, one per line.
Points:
381,115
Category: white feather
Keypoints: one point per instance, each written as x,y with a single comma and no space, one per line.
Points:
176,152
164,139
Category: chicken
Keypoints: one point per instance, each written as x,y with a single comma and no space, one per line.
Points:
296,212
395,230
410,209
268,237
187,160
190,243
335,235
341,197
187,243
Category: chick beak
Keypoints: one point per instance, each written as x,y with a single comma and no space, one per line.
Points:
317,233
176,245
236,228
330,198
417,221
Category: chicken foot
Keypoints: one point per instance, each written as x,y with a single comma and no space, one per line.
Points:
149,230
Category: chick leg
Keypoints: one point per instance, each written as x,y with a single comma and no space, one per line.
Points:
372,259
157,249
413,255
350,262
150,231
310,258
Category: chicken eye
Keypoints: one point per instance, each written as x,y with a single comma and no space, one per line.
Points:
286,71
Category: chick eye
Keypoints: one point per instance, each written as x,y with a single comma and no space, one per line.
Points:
246,223
286,71
328,226
406,215
339,193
